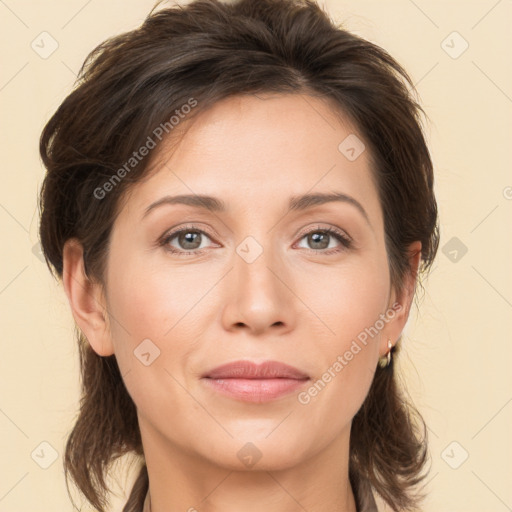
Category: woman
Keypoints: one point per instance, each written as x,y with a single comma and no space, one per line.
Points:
239,202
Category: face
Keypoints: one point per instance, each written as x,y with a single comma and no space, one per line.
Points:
190,288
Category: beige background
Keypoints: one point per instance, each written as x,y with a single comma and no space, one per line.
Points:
457,349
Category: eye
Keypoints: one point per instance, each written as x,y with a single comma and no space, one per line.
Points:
320,239
189,240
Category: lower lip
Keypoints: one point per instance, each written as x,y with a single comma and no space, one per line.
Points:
255,390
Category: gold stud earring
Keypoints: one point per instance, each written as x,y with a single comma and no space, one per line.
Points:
386,360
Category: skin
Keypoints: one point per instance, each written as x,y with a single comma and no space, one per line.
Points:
294,304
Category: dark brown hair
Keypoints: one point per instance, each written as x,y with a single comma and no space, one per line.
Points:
207,51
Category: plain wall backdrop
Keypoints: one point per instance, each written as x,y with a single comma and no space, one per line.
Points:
456,348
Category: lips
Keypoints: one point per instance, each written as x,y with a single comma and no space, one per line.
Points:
247,381
244,369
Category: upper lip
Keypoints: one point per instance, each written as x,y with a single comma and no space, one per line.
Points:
244,369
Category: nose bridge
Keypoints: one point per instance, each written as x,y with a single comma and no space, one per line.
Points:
256,265
259,296
256,253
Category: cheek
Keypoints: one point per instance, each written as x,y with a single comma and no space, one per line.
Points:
348,305
149,301
160,312
142,307
152,336
347,300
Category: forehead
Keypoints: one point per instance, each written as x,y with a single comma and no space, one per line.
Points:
253,149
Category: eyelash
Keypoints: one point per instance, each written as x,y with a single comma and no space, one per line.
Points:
345,241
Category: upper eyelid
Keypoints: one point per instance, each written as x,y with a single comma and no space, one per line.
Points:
334,230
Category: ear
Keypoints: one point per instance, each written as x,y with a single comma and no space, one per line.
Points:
86,299
401,304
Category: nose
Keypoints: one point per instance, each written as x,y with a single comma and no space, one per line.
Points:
260,293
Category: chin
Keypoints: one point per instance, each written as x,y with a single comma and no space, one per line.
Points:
257,453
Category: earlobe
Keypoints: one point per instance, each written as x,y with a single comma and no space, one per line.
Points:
85,299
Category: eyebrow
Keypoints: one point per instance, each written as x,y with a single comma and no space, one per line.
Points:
296,203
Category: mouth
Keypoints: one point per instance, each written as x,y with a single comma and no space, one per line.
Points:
245,369
251,382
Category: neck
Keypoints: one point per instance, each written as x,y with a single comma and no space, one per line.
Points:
180,480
